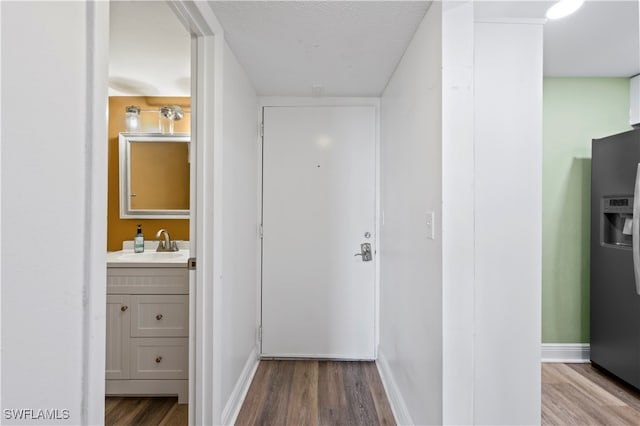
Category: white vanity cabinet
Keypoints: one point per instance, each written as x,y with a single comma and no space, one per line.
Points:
147,330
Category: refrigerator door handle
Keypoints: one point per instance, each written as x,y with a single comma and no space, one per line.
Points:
635,230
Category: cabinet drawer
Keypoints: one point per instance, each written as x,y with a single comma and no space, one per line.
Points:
159,316
147,281
159,358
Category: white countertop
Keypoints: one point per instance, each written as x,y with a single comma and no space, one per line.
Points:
150,258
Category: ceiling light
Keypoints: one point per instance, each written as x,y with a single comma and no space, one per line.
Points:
563,8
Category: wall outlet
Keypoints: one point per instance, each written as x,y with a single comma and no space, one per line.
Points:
430,226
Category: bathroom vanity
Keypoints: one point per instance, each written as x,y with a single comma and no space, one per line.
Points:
147,323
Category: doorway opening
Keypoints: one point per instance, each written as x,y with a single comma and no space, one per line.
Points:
150,189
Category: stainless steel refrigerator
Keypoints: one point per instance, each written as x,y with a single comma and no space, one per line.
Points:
615,255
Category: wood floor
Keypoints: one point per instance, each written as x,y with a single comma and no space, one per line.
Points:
580,394
350,393
145,411
316,393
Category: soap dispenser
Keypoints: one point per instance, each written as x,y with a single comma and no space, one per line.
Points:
138,241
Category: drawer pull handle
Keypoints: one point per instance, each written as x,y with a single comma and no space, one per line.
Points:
159,317
124,308
158,359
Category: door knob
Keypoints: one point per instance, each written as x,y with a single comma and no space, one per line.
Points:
365,252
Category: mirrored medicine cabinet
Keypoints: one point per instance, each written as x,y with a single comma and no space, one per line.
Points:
154,175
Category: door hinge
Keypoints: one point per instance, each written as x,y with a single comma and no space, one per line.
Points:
260,232
259,333
262,130
191,263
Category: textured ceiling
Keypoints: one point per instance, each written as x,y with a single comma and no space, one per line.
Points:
345,48
332,48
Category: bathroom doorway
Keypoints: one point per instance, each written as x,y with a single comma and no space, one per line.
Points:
149,295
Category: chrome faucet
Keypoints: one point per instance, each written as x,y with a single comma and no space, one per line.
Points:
166,244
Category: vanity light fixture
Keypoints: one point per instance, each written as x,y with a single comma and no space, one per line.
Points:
563,8
172,112
168,114
132,118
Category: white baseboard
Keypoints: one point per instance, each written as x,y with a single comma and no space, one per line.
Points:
565,352
239,393
398,406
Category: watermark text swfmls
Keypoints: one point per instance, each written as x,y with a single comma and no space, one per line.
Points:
36,414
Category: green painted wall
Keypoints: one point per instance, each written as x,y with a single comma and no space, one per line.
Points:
575,110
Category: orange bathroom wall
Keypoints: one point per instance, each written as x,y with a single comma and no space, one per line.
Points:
119,230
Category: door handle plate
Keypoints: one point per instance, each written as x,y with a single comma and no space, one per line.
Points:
365,252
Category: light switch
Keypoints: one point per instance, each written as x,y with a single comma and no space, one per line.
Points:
430,226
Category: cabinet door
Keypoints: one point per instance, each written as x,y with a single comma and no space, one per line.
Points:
118,323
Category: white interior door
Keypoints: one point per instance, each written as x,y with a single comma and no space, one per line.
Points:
318,298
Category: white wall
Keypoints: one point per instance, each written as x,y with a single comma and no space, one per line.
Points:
410,351
54,97
508,224
481,360
240,238
492,205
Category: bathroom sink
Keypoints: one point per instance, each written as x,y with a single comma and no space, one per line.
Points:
152,258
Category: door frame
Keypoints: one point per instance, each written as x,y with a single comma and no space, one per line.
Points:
207,49
285,101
